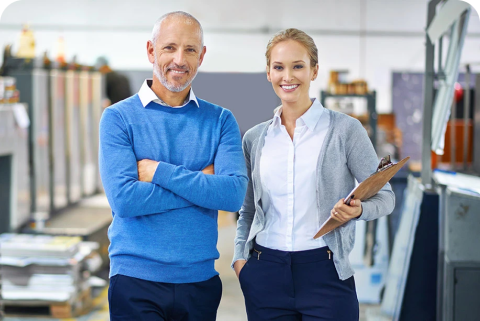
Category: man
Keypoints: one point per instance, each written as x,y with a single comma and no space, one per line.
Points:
164,229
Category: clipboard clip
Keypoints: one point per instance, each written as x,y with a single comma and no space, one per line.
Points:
385,163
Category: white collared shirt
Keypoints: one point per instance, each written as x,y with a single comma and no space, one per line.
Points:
147,95
289,182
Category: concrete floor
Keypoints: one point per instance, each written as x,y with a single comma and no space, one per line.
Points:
232,307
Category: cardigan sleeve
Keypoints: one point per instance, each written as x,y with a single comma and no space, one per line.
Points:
362,161
247,212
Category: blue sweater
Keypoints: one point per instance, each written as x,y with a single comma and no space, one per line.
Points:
166,231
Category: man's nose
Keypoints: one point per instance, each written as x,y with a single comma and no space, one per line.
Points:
179,58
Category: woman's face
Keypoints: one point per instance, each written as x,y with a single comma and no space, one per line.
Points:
290,72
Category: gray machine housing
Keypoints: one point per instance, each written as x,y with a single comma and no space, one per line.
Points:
14,178
459,256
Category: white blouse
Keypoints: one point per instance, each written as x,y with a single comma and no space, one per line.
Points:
288,176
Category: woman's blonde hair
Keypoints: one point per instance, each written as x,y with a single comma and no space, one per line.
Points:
297,35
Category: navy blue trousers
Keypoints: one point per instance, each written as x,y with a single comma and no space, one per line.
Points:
135,299
291,286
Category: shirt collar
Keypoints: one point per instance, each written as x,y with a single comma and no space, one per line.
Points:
147,95
309,118
277,121
313,114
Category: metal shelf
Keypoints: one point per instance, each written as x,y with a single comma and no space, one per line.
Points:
371,98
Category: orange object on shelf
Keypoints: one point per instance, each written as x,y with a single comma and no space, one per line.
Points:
338,85
26,45
60,50
447,156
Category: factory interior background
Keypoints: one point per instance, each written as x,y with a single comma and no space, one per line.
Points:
408,70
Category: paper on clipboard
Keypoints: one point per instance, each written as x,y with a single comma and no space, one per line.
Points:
366,189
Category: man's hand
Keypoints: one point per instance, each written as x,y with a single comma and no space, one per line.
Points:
146,170
209,170
343,213
238,266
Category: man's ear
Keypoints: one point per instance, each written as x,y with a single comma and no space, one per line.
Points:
202,54
150,51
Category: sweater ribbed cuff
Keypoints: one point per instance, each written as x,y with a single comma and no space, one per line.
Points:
162,174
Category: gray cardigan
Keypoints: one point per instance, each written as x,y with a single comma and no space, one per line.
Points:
347,154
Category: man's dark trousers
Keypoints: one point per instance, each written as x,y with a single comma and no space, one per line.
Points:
135,299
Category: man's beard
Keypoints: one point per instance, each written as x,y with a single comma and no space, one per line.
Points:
163,78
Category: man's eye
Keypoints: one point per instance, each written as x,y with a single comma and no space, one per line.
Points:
168,48
191,50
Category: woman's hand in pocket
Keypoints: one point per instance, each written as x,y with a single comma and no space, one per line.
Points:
238,266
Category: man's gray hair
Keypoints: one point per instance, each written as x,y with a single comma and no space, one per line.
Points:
180,14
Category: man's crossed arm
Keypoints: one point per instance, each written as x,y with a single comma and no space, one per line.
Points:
147,168
171,186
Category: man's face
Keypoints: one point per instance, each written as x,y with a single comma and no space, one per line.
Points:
177,54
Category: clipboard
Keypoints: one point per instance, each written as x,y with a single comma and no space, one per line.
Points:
366,189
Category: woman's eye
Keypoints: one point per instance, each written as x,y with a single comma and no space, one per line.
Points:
298,66
278,67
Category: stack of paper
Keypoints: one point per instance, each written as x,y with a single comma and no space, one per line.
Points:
19,245
42,268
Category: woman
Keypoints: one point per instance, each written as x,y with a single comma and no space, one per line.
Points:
300,164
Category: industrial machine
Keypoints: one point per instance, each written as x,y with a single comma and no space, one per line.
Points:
434,272
14,178
64,106
32,82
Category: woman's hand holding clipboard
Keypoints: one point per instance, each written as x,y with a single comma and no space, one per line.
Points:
366,189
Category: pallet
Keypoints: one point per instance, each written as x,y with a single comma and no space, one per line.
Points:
57,310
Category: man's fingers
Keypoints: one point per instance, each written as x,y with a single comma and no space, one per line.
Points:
209,170
146,169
